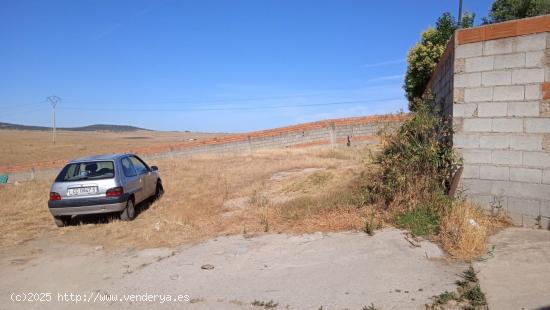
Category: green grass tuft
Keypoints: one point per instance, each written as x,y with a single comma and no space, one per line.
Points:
420,222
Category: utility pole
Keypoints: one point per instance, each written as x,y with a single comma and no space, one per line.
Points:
459,14
54,100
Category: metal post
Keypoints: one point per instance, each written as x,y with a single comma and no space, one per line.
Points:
53,122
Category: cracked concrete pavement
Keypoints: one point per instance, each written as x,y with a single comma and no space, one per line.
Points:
518,276
334,270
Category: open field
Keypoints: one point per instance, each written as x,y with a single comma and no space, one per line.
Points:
210,195
25,147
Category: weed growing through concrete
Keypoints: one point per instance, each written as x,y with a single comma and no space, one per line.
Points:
467,296
369,307
266,304
371,224
445,297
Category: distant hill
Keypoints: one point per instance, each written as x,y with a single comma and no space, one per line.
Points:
96,127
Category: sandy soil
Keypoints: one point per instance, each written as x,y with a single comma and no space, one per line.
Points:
334,270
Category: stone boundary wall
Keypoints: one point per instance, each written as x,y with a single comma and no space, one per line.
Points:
334,132
501,114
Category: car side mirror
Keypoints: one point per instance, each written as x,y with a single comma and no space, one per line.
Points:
154,168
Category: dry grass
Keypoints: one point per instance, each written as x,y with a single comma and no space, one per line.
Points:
25,147
291,191
194,205
465,229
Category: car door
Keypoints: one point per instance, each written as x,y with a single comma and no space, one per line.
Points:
151,178
143,172
133,181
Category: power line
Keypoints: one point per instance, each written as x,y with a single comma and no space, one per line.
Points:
10,113
23,105
261,98
230,108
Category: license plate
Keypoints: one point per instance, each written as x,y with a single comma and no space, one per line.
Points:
77,191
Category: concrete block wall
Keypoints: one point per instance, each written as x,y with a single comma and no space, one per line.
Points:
335,132
441,83
501,116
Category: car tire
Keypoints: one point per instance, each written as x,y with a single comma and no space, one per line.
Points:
129,213
159,191
62,221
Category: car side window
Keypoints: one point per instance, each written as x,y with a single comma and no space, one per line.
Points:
139,165
127,167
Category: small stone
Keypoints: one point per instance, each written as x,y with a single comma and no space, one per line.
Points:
207,266
174,276
99,248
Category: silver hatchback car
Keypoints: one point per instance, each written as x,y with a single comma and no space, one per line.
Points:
103,184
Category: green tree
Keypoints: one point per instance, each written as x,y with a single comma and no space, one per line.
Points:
424,56
503,10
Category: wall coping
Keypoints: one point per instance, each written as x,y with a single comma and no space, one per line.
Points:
513,28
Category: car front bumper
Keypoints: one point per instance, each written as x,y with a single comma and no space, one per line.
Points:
87,205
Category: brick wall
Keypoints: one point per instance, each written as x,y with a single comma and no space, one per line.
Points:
501,116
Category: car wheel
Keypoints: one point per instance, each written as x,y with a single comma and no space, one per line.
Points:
129,212
159,191
62,221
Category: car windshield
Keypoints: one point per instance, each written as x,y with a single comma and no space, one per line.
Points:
93,170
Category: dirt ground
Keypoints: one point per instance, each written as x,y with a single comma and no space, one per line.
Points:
25,147
206,196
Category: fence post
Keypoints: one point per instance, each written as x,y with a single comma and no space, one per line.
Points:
250,145
333,135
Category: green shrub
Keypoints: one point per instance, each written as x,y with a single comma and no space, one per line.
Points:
416,161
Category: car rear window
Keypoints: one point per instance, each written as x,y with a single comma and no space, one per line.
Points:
93,170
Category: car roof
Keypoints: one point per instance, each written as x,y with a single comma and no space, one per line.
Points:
99,157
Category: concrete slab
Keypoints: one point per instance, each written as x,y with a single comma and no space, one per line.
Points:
332,271
518,277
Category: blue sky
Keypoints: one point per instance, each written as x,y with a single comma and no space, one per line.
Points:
208,65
